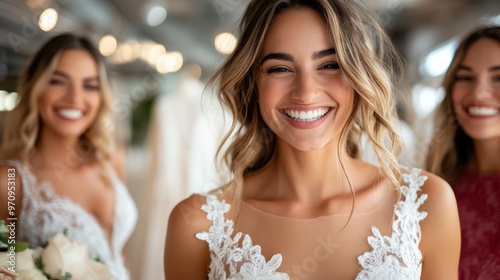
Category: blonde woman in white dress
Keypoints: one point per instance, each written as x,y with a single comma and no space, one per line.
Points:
305,80
58,143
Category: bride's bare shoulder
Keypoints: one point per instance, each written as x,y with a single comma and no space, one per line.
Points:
186,256
189,209
191,212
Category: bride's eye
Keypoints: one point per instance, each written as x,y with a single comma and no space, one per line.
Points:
332,66
463,78
55,81
277,69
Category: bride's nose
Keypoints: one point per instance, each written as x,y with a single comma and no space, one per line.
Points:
306,88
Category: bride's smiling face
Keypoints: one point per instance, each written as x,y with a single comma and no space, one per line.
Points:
71,101
303,95
476,91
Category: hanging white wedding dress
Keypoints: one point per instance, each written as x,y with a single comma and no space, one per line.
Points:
187,126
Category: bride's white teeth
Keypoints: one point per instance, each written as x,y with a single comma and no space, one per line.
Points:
306,116
482,111
71,114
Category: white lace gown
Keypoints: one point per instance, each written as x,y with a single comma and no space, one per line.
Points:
312,246
44,214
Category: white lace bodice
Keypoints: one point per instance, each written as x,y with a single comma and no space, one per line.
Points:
393,257
44,214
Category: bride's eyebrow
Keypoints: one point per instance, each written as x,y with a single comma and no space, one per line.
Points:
464,68
61,74
278,56
323,53
289,57
92,79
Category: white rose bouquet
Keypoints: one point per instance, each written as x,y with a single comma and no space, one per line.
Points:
61,259
25,267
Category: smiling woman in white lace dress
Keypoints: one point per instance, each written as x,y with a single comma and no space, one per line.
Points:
305,80
58,143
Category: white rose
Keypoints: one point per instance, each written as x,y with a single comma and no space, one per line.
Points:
61,256
32,275
24,260
96,271
5,260
26,267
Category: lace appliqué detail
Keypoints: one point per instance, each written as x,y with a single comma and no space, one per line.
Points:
245,262
398,256
391,258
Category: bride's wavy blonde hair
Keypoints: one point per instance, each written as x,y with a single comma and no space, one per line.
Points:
22,125
368,60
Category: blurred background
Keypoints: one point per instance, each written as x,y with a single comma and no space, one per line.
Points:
160,55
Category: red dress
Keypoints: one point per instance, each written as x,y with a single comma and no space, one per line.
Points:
478,198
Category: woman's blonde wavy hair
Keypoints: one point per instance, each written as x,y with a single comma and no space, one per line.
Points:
367,58
451,149
22,125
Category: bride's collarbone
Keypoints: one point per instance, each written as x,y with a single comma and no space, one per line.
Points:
365,199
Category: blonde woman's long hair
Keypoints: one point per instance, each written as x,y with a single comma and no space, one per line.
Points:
367,58
22,125
451,149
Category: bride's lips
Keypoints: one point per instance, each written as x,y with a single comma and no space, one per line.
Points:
306,118
70,113
481,111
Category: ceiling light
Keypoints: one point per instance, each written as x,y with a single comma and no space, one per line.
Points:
494,20
135,47
3,94
48,19
8,101
154,52
426,99
125,53
225,43
169,62
156,16
107,45
438,60
11,101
